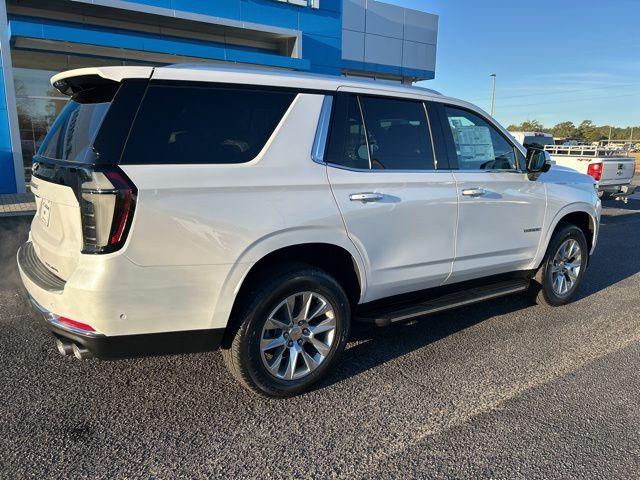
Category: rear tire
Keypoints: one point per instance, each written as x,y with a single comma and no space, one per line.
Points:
282,311
558,278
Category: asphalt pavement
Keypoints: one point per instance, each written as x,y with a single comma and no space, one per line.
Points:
501,390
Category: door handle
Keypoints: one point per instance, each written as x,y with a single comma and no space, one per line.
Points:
366,197
474,192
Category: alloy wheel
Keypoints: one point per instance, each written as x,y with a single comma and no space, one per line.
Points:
566,267
297,336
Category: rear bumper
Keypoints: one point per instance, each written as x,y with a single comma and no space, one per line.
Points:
36,285
119,298
126,346
618,191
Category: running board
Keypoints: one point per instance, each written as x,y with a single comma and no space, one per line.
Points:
408,311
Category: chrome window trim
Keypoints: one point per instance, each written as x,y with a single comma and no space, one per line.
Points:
322,130
490,171
366,133
433,145
362,170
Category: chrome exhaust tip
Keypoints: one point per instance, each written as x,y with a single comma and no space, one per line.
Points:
81,353
65,347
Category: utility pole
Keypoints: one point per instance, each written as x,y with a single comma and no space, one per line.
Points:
493,93
631,139
609,135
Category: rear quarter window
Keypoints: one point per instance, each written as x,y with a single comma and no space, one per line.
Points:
204,124
94,124
71,136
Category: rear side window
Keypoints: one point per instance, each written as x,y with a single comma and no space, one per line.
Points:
347,145
379,134
193,124
398,134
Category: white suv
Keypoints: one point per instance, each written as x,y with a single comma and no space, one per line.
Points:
189,208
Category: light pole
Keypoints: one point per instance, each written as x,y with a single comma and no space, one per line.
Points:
493,93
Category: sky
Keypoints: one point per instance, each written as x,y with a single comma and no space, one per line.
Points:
554,60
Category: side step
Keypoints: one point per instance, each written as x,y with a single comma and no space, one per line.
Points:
400,312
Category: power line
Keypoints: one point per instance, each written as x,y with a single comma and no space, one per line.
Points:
626,85
566,101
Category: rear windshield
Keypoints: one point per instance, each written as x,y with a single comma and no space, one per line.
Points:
204,124
73,132
537,141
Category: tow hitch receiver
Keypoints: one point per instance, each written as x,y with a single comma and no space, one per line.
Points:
624,193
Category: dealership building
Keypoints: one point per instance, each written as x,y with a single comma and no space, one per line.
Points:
39,38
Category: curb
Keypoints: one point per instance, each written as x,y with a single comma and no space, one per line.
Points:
23,213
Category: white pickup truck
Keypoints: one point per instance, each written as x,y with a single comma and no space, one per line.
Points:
612,170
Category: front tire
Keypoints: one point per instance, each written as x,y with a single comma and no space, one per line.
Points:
558,278
293,328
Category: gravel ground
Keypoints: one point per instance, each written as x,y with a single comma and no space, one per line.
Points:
501,390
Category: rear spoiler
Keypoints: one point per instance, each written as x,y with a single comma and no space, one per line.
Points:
74,81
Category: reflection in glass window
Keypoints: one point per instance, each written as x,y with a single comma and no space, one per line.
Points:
38,105
479,146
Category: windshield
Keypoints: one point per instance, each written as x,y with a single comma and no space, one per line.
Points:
73,132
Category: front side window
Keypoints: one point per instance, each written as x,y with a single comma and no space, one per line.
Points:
398,134
194,124
478,145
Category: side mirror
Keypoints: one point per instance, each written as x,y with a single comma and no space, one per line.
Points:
538,161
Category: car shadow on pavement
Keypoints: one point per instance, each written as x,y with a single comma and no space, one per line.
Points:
371,346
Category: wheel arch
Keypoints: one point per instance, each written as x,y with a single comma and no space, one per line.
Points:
582,215
335,260
337,255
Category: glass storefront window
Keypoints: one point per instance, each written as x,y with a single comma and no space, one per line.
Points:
38,103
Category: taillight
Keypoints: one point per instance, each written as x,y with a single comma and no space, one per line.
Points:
107,204
595,170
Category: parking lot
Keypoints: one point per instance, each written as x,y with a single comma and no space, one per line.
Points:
501,389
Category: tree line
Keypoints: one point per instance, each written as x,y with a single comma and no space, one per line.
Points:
587,131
